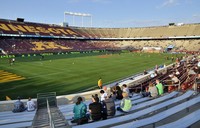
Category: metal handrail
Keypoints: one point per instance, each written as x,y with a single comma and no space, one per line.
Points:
178,84
51,122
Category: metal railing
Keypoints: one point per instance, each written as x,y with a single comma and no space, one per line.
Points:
173,84
51,122
42,97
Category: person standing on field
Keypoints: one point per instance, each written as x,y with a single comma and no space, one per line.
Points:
100,83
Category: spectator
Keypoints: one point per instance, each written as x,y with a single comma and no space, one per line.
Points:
106,90
103,95
104,108
145,72
159,87
154,74
177,72
118,93
110,106
18,106
198,67
113,95
175,80
152,91
125,89
126,103
198,64
30,105
95,109
100,83
80,110
171,75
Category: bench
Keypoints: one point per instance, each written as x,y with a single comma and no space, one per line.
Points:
161,115
22,124
185,121
10,117
140,113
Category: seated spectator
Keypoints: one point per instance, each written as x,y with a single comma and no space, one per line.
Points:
159,87
198,64
152,75
177,72
125,89
18,106
191,71
126,103
145,72
175,80
95,109
152,91
30,105
196,69
110,106
103,95
106,90
171,75
118,93
113,96
80,110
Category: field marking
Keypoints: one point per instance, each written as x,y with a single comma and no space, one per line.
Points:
8,77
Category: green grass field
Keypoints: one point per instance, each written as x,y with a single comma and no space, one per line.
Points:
66,74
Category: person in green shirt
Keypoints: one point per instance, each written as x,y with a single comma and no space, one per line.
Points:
126,103
159,87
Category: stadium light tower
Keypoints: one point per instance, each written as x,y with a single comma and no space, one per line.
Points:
82,15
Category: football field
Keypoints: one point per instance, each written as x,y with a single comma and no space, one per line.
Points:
70,73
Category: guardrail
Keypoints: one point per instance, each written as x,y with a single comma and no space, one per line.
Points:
51,122
171,83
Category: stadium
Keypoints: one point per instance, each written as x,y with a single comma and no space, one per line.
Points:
56,65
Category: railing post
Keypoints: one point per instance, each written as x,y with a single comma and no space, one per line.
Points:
179,85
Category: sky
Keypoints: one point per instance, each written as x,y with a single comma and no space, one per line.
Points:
105,13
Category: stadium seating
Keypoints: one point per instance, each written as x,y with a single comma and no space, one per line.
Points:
148,109
10,119
67,111
162,115
36,29
186,121
18,46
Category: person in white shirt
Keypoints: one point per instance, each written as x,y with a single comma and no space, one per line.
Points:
175,79
198,64
177,72
30,105
104,95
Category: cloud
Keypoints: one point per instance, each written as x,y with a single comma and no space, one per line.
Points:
169,3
